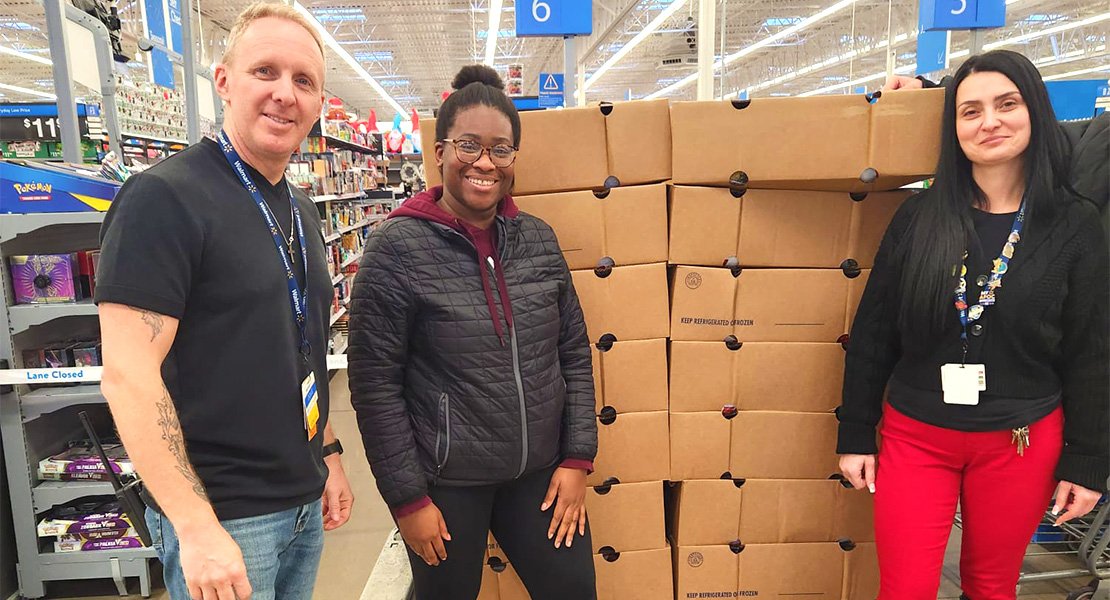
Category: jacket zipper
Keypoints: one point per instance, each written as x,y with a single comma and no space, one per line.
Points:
445,410
519,383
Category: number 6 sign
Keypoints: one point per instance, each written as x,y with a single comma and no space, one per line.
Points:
554,18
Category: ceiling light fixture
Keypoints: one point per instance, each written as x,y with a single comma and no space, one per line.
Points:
655,24
23,90
492,32
350,60
31,57
1098,69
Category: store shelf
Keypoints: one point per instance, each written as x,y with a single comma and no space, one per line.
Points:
350,260
331,238
342,350
12,226
350,228
376,219
338,279
25,316
337,197
96,556
335,317
52,493
124,134
37,403
348,145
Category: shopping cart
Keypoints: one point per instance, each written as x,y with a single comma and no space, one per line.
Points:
1087,537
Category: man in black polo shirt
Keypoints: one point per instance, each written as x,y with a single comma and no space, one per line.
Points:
215,300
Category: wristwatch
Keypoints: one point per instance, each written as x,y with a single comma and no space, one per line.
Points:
332,448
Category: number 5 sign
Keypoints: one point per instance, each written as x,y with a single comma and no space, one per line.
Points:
554,18
939,15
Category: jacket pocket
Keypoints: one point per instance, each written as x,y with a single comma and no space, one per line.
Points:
443,433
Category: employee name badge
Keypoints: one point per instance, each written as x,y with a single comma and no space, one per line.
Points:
962,383
309,399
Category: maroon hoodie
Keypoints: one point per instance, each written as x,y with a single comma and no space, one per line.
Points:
425,205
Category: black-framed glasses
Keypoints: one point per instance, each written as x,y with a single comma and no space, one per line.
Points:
470,152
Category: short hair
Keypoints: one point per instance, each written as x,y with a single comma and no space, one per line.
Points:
263,10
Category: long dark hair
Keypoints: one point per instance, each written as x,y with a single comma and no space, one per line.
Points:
942,228
474,85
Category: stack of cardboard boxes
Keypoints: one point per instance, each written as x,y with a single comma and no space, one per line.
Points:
719,250
775,221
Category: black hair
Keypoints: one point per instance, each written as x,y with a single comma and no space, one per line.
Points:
942,227
474,85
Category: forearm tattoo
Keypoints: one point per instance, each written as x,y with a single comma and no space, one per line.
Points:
171,432
152,319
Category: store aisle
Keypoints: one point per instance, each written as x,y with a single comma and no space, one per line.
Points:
349,553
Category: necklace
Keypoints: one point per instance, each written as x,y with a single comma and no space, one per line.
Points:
288,238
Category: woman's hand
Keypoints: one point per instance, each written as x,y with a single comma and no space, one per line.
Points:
424,531
902,82
568,492
1075,500
859,470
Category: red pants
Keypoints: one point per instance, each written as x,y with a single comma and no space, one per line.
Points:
924,470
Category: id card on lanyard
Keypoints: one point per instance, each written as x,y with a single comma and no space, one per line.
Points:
298,298
963,382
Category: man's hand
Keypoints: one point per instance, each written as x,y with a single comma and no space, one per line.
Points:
902,82
859,470
213,565
424,531
567,491
338,498
1075,500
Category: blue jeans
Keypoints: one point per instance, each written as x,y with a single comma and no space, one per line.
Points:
281,551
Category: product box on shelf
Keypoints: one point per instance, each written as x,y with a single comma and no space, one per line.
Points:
816,571
769,511
631,447
630,376
777,228
853,142
626,517
35,187
627,225
759,305
87,263
91,517
71,543
794,377
749,444
45,278
628,303
80,462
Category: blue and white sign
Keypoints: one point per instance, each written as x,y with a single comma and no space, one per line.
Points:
173,14
161,68
1077,99
932,48
551,90
940,15
154,18
554,18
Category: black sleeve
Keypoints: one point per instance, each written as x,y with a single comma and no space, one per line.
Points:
874,346
383,311
579,437
151,244
1085,363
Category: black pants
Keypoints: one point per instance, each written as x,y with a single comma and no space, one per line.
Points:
512,512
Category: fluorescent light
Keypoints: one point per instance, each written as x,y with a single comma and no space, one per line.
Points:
767,41
1051,30
492,32
350,60
31,57
1098,69
655,23
23,90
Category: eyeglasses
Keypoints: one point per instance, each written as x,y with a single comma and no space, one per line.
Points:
470,152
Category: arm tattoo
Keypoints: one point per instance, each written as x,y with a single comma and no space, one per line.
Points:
171,432
152,319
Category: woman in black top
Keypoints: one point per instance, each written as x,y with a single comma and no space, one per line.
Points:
985,321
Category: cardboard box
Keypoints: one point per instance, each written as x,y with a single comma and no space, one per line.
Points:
775,571
782,445
699,445
489,589
629,303
631,376
625,224
794,377
904,144
639,140
855,514
861,573
855,294
779,143
758,305
493,550
641,575
626,517
870,217
632,447
509,585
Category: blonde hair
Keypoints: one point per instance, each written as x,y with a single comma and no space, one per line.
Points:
263,10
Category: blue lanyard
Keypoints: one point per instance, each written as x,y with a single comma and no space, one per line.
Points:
297,297
970,314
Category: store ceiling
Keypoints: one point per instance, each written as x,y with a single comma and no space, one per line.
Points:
414,47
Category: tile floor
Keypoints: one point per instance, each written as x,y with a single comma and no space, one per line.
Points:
350,552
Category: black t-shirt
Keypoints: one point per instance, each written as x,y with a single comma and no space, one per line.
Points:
186,240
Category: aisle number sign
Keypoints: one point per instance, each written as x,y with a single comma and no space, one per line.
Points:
941,15
554,18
